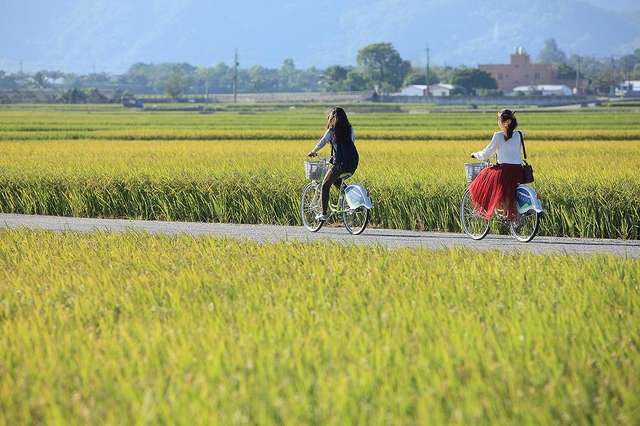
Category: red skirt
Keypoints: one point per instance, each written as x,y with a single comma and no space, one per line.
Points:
495,188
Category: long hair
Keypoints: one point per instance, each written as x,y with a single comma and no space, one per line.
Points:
338,122
508,118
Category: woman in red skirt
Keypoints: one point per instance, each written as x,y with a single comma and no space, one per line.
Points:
495,187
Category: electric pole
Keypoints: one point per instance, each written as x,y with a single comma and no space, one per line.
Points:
235,77
426,92
612,90
206,86
577,76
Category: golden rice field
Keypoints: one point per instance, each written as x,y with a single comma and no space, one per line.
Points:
247,167
138,329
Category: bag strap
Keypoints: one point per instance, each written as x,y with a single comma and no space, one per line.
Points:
524,150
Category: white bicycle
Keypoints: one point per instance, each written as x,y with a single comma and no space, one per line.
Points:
354,205
529,209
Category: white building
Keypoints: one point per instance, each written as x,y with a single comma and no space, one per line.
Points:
545,90
439,89
413,90
629,87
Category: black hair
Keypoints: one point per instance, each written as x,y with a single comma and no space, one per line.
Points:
508,116
339,124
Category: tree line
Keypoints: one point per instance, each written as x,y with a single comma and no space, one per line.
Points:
379,68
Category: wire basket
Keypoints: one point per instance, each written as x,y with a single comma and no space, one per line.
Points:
315,169
471,170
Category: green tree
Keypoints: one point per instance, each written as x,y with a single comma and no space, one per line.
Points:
74,96
334,77
417,76
40,79
472,78
176,83
551,53
627,64
355,82
383,66
566,72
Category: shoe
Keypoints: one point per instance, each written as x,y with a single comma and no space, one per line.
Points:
322,217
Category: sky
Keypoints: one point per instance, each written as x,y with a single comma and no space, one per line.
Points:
110,35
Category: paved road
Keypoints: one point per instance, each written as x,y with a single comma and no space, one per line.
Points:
386,237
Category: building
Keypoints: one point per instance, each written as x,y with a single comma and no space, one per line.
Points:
629,88
520,72
439,89
544,90
413,90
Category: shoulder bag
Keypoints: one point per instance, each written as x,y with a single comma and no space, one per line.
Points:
527,170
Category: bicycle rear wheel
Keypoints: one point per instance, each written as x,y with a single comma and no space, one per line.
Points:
310,206
354,220
526,226
473,224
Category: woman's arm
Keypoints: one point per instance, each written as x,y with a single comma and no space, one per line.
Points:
488,150
321,143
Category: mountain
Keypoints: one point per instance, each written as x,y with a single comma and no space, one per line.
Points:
113,34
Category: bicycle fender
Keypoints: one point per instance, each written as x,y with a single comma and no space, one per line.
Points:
357,196
527,199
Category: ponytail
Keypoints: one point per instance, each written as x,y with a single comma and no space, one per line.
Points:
508,117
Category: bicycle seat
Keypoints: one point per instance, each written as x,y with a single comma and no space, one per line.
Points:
345,175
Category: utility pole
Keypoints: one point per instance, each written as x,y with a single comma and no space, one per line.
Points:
235,77
206,88
612,90
578,76
426,92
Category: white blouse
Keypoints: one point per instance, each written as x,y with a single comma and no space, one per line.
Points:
508,151
328,137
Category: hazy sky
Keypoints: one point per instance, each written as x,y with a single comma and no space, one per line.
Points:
76,35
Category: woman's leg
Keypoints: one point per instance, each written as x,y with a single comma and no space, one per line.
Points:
330,179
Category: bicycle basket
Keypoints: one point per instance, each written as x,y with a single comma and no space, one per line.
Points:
471,170
315,170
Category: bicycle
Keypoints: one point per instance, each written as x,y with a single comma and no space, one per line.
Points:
529,209
354,204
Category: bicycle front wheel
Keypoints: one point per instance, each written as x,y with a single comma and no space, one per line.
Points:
526,225
310,206
354,220
473,224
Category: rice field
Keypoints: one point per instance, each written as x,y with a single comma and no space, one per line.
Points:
247,167
140,329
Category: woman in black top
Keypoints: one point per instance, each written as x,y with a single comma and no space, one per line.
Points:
344,155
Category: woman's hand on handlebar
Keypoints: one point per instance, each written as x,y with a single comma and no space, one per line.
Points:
312,154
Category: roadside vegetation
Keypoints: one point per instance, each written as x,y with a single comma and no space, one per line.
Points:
248,168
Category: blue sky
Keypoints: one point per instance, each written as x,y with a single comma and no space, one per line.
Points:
112,34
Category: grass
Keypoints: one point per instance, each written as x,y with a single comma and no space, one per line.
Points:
132,328
248,168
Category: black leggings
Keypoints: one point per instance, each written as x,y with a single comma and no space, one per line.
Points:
331,178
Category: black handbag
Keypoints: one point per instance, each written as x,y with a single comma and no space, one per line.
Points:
527,170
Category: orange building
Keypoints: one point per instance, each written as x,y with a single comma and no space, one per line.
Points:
520,72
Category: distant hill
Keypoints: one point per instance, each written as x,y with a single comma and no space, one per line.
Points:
113,34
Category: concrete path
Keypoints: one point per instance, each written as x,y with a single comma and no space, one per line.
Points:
385,237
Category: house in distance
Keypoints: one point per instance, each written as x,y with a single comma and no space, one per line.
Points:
522,72
439,89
